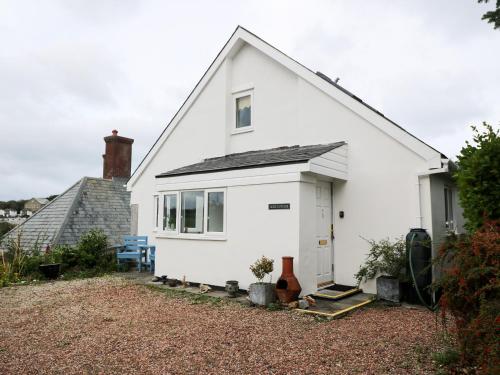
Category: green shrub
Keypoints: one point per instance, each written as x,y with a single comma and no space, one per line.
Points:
478,177
385,257
470,285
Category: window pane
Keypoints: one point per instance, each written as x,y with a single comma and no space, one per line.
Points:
192,203
216,212
170,212
243,112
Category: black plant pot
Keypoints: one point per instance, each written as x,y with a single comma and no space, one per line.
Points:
50,271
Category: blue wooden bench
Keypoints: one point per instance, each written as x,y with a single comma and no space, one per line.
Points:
136,248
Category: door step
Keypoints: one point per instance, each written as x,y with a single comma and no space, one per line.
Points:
336,292
332,309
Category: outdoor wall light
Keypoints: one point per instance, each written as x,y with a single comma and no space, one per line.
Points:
341,214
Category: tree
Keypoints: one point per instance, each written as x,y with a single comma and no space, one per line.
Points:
478,177
492,16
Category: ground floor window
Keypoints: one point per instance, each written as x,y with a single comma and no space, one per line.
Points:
200,212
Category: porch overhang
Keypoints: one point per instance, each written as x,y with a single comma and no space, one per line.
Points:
282,164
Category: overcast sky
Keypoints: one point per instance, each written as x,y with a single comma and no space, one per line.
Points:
71,71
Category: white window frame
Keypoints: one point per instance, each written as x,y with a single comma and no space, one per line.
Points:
164,233
240,94
156,212
166,230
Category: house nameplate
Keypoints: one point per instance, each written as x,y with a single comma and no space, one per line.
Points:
279,206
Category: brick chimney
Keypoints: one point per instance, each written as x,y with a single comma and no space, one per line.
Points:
117,160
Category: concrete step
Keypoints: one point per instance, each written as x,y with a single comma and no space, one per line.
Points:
335,294
336,308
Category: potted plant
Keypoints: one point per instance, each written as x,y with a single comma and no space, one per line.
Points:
387,259
51,266
262,293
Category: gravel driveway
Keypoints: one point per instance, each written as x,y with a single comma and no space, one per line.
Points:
109,325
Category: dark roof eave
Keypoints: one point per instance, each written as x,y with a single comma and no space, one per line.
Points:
165,175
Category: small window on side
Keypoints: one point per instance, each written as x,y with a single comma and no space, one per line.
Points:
448,207
243,111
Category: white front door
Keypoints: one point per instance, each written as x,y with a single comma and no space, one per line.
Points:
324,248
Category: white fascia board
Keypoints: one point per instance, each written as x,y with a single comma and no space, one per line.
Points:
434,171
230,49
233,46
236,177
246,177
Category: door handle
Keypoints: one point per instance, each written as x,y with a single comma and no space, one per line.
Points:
332,235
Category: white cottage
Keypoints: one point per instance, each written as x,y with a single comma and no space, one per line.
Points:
266,157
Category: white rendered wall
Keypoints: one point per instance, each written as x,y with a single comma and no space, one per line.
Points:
379,199
252,231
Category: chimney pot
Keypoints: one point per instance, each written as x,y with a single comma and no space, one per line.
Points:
117,159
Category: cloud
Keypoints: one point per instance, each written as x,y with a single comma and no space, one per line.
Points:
72,71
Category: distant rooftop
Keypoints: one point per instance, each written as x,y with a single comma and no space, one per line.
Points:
89,203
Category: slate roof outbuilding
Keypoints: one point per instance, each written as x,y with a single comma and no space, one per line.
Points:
89,203
255,159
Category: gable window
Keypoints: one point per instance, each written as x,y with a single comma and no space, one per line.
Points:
170,212
448,207
243,111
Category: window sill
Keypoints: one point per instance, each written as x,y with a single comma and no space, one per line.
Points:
245,129
203,237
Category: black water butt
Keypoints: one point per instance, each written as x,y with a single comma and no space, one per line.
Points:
419,254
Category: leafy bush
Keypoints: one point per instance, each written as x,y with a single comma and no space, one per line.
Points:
471,294
88,258
5,227
385,257
478,177
262,267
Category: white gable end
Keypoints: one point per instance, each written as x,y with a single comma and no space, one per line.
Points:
238,62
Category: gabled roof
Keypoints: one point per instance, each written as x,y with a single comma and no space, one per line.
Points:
255,159
42,200
241,36
89,203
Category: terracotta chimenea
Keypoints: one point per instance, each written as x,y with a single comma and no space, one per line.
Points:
288,287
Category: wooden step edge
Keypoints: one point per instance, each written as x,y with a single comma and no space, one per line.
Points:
338,296
336,314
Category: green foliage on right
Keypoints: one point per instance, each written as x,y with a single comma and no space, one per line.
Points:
470,285
493,16
478,177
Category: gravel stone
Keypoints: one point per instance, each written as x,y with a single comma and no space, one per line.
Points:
113,326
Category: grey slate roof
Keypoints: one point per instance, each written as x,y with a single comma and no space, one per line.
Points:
89,203
255,159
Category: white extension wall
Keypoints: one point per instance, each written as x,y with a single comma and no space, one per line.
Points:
379,199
